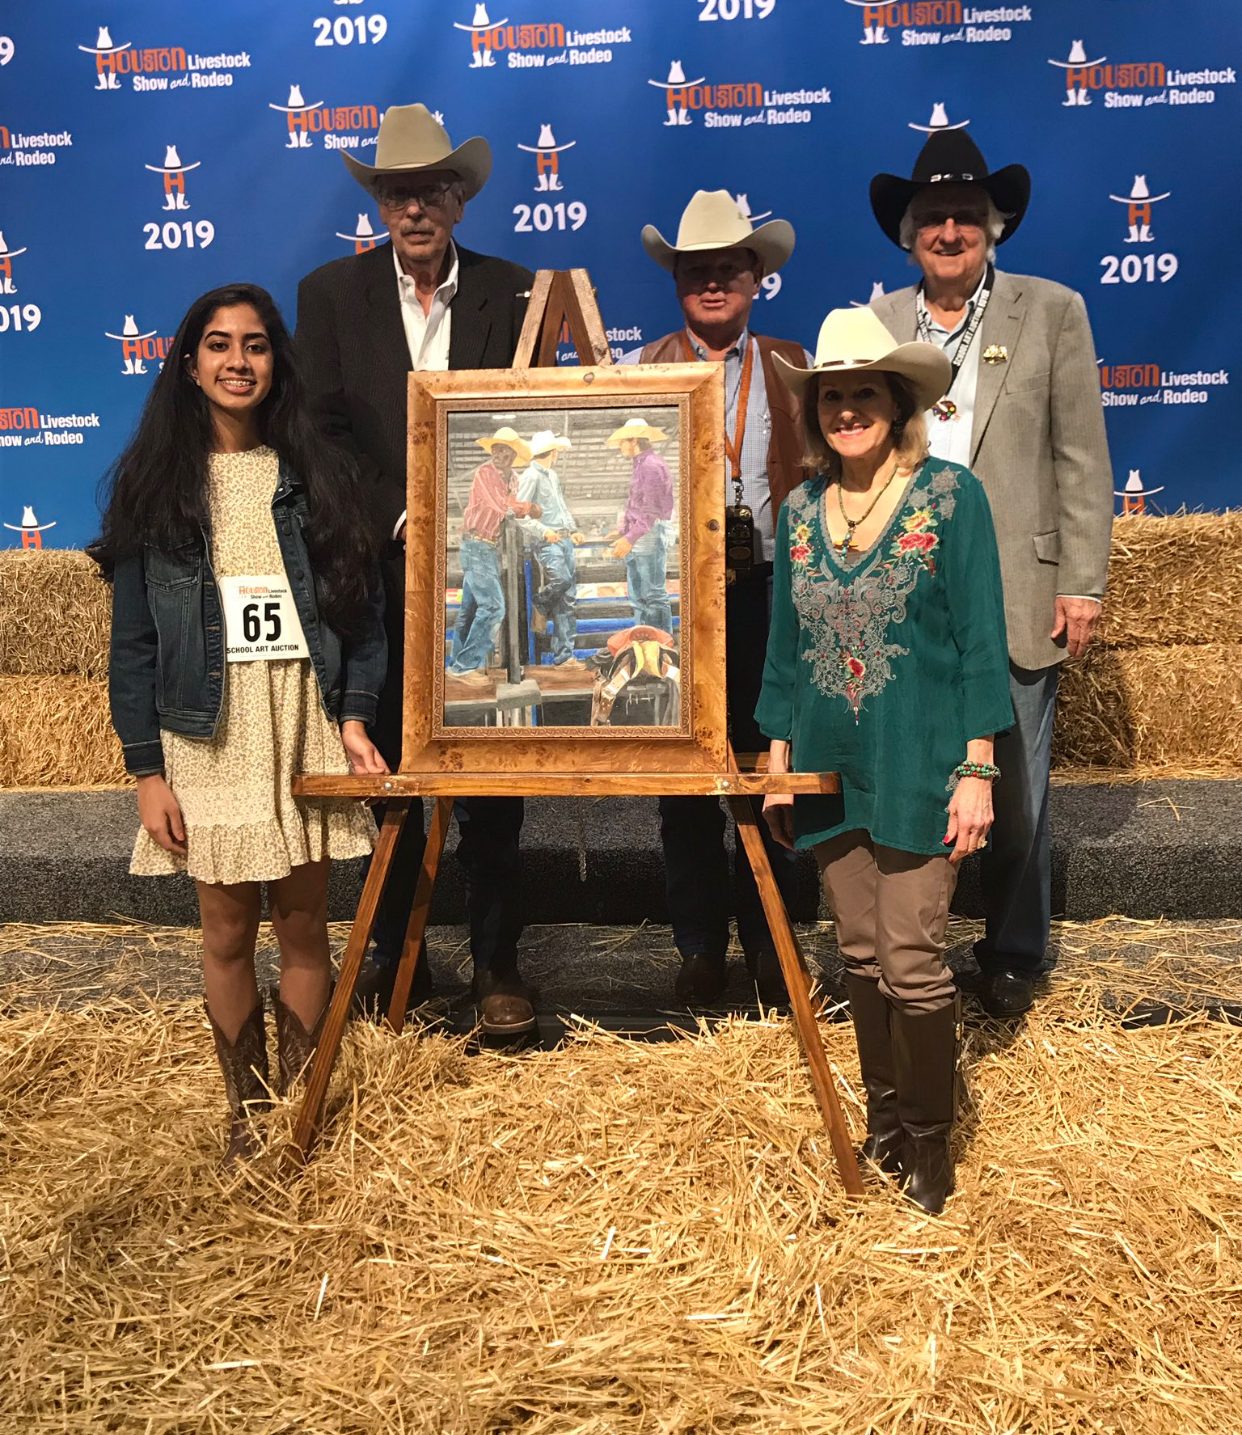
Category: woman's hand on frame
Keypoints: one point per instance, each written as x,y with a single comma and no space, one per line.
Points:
365,759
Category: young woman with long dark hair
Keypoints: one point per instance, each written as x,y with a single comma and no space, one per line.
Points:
247,646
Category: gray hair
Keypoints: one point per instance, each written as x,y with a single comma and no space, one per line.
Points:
994,227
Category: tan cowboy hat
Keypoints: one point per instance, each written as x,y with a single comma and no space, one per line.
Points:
635,428
545,441
713,220
411,139
507,436
852,339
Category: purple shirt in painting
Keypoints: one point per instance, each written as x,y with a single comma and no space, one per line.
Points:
651,495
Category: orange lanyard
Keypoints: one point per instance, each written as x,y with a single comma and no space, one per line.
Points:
733,446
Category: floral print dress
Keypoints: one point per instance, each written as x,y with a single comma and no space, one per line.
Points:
242,821
883,664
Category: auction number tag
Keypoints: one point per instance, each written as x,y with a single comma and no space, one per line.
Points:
260,619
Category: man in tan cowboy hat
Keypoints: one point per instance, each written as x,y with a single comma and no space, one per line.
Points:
421,301
493,498
718,263
1024,413
553,538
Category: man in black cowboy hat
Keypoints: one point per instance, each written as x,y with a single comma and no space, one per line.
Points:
420,302
1024,413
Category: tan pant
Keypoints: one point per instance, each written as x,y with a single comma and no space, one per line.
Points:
891,910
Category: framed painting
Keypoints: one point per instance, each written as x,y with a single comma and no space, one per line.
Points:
565,571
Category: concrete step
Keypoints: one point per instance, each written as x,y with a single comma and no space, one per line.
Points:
1142,849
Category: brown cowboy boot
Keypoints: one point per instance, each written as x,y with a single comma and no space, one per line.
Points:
869,1009
295,1046
244,1064
925,1056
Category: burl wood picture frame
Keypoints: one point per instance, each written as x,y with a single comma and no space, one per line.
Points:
443,406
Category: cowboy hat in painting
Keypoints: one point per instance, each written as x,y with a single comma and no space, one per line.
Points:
851,339
510,439
411,139
635,428
545,442
951,157
714,220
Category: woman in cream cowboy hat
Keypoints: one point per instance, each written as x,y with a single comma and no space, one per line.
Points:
493,497
641,540
887,662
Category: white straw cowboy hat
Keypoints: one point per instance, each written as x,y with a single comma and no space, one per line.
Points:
411,139
714,220
545,441
635,428
513,440
853,339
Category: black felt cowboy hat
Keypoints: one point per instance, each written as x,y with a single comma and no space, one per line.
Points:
951,157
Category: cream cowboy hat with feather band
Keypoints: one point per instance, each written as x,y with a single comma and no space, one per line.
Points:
635,428
713,220
411,139
853,339
513,440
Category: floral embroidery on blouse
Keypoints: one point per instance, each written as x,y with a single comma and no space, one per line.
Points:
850,650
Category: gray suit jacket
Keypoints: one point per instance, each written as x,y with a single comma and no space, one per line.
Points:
1040,450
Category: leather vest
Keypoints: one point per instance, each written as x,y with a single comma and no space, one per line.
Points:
785,445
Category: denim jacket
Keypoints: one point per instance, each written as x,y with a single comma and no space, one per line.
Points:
166,666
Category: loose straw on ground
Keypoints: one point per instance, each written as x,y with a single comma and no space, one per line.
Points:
618,1237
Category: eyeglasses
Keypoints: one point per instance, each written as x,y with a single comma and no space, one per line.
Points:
427,194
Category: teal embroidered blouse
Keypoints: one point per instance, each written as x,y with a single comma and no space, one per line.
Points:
882,665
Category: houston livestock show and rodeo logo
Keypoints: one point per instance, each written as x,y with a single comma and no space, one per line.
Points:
938,22
1134,84
730,104
351,126
156,68
534,45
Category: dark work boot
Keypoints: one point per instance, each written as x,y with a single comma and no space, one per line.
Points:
244,1064
925,1051
869,1009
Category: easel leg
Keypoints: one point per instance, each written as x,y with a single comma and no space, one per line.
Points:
419,912
797,982
307,1126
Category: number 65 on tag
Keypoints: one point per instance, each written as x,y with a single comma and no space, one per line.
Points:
260,619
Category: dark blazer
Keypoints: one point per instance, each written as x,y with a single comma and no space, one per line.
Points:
352,346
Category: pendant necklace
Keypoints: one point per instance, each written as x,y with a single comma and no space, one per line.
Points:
844,545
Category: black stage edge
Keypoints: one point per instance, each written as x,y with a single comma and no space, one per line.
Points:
1142,849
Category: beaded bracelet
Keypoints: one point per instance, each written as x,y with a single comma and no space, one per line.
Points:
977,769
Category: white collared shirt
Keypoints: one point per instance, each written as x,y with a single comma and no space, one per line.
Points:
426,334
951,438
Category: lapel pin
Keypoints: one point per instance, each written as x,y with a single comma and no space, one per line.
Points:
996,354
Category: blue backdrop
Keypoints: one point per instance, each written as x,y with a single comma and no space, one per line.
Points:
184,145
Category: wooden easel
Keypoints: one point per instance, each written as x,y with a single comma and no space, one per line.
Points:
558,298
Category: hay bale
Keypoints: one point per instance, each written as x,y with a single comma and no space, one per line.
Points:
616,1238
56,732
1174,580
55,613
1151,706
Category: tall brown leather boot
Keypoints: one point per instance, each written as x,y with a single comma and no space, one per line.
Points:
244,1064
295,1046
925,1052
869,1009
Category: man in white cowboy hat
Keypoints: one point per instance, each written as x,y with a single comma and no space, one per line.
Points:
641,540
493,498
718,263
552,537
1024,413
421,301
